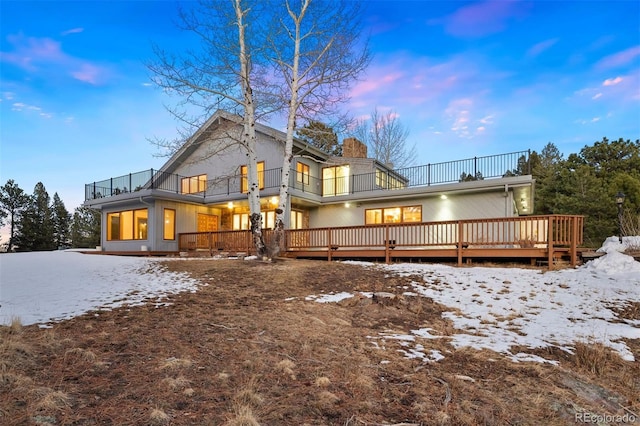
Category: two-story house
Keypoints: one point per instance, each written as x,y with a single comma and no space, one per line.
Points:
203,186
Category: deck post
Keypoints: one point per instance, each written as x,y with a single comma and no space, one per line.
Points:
387,256
574,241
329,250
551,220
460,242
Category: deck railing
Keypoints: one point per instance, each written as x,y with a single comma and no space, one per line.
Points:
538,234
493,166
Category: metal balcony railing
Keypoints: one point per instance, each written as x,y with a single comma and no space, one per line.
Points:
476,168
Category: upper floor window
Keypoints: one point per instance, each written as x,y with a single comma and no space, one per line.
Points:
386,180
244,172
302,173
335,180
193,184
393,215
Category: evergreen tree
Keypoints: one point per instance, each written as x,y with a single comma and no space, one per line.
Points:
545,168
321,136
586,183
85,228
12,201
61,222
35,229
464,177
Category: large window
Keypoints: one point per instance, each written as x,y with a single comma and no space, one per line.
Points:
335,180
169,230
193,184
302,173
127,225
386,180
297,220
245,181
393,215
241,220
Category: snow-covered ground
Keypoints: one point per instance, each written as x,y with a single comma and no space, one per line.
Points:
494,308
39,287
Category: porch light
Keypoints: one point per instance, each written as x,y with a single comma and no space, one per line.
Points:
619,201
274,200
347,204
443,197
230,205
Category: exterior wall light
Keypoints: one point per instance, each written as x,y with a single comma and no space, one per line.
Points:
619,201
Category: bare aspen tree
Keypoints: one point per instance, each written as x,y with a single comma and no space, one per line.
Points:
386,138
318,53
227,72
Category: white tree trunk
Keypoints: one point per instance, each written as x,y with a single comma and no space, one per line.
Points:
249,137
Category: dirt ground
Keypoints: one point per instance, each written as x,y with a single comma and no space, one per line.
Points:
248,349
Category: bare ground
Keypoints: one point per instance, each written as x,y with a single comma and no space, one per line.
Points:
248,349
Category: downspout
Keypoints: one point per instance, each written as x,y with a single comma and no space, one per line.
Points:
507,213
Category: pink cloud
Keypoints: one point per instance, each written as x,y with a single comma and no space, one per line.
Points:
484,18
612,81
87,73
619,59
36,55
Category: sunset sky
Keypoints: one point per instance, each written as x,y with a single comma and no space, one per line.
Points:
466,78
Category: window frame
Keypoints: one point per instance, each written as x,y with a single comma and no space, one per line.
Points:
199,181
136,229
244,179
303,174
172,222
401,215
334,187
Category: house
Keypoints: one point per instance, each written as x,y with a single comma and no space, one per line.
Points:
203,186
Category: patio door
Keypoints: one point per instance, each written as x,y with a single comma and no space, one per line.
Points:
206,223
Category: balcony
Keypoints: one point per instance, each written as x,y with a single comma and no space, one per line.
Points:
476,168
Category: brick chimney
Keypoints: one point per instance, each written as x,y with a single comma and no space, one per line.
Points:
352,147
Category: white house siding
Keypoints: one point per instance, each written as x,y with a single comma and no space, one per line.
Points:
228,162
454,207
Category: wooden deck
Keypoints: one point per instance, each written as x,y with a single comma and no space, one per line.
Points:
540,239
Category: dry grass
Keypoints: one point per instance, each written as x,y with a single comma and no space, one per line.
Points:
593,357
159,417
238,353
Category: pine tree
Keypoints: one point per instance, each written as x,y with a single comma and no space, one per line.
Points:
321,136
35,229
12,201
85,228
61,222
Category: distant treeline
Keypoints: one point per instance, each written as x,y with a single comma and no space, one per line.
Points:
38,223
587,183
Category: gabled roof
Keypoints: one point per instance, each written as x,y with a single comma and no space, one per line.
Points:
215,121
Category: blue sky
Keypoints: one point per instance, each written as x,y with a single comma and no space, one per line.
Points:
467,79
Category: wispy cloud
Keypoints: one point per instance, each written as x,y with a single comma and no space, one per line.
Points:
72,31
45,56
612,81
27,108
619,59
541,47
87,73
483,18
